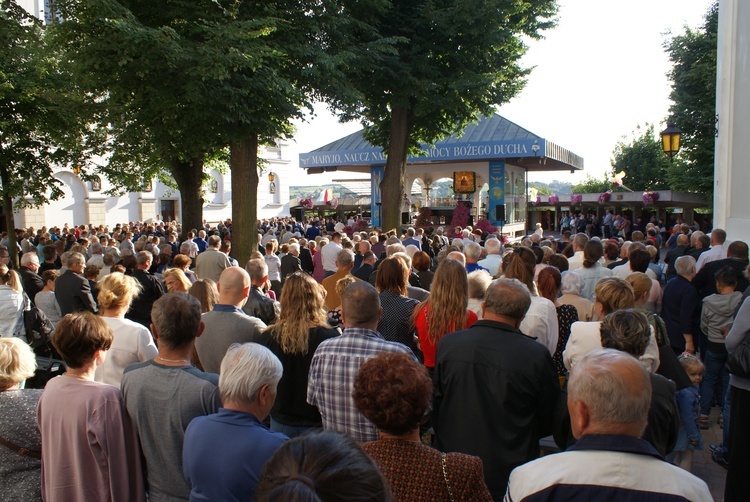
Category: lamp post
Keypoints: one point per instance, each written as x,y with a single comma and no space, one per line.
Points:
670,140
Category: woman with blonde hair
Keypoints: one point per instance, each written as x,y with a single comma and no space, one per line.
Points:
20,458
176,281
446,310
541,319
11,303
300,329
132,341
610,294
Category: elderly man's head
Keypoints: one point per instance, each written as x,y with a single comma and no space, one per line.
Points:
249,376
609,392
506,300
258,271
685,266
579,241
472,252
493,246
345,260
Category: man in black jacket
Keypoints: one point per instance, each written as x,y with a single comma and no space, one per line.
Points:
259,304
737,258
679,250
32,282
496,390
290,262
140,309
72,289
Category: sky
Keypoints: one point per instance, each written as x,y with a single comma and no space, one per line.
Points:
600,73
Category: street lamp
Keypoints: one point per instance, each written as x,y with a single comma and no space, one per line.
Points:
670,140
271,176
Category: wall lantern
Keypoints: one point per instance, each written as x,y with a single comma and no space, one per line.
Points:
670,140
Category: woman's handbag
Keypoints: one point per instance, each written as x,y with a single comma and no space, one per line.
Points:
738,362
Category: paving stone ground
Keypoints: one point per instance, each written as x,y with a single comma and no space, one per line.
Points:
709,471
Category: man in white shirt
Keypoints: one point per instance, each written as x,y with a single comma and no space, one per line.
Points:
579,242
494,256
717,250
329,253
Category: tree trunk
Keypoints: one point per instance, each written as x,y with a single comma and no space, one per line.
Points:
10,221
189,178
244,165
392,186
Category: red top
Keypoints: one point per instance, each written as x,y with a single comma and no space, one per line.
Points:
428,348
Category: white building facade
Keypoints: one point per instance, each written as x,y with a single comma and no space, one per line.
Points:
86,202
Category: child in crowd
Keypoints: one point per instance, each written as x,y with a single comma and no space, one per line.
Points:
717,314
689,437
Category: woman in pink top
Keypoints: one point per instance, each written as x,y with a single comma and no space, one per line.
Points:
90,450
446,309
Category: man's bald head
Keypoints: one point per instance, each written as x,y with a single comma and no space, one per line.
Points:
609,392
234,286
683,240
458,256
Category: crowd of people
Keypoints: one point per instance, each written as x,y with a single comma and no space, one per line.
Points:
420,364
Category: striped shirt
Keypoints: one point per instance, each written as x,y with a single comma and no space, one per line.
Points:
331,382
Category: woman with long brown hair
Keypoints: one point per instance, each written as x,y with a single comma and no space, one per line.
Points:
446,309
301,327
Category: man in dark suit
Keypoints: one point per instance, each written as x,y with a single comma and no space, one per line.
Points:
72,289
290,262
367,267
737,258
306,257
153,289
674,253
32,282
494,370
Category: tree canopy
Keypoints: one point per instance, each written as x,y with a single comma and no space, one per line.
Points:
693,74
642,160
440,65
40,121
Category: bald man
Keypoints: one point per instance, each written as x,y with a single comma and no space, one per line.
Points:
609,395
227,323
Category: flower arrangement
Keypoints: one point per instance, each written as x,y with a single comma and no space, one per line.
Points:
576,198
460,216
604,197
333,203
424,219
485,226
361,225
307,203
649,197
504,239
553,199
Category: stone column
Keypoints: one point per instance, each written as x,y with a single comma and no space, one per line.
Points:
731,173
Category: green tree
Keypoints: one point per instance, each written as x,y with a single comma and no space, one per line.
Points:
184,80
693,74
642,160
40,125
438,66
592,185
